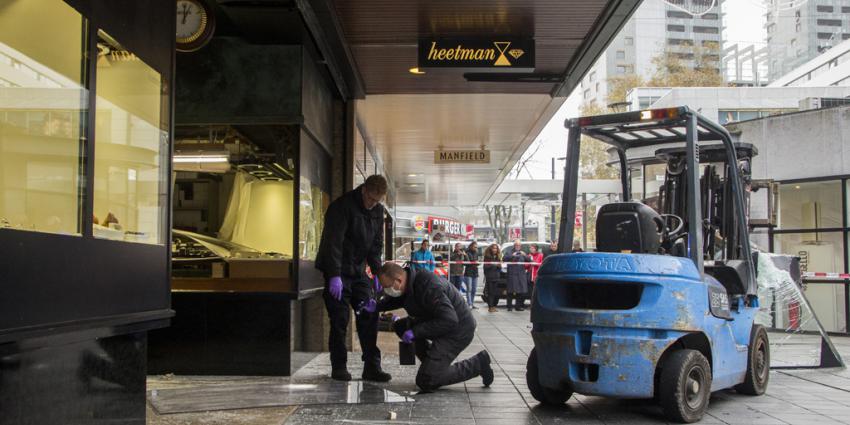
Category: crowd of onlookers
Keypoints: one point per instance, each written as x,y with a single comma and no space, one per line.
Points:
464,273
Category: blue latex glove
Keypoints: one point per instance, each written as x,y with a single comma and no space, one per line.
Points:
367,306
378,287
407,337
335,287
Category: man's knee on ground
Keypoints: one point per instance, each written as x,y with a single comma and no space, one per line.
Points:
425,382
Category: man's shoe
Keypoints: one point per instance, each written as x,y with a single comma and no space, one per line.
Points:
340,375
520,308
492,309
486,370
376,375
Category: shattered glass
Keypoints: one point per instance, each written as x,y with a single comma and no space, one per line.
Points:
797,338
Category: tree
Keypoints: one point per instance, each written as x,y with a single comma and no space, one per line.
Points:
672,71
618,87
593,157
500,220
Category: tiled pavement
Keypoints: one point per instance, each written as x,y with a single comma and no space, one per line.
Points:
793,397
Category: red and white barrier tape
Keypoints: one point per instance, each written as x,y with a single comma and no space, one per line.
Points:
826,276
470,262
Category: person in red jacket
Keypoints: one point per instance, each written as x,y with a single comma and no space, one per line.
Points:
534,256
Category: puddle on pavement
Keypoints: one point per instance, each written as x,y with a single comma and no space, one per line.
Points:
245,396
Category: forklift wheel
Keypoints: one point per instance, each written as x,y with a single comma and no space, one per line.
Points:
685,386
758,364
539,392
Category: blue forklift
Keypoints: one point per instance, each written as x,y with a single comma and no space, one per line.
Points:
664,308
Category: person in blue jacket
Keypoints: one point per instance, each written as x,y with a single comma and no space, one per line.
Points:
423,254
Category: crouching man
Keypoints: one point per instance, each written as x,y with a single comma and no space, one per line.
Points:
439,323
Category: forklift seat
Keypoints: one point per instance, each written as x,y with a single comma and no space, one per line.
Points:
628,227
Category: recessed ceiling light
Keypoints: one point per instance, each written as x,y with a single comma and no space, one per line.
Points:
415,70
413,185
797,187
412,175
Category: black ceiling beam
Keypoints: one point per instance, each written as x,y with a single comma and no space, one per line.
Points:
606,27
323,24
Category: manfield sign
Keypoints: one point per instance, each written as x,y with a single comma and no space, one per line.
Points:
507,53
459,157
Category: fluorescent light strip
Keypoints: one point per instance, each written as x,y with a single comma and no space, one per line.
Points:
202,159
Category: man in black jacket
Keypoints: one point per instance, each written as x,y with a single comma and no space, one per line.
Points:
353,236
439,322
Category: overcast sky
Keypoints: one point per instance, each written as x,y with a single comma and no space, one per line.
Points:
744,21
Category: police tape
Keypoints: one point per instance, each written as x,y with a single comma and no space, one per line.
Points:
826,276
486,263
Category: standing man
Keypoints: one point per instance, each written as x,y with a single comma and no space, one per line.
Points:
553,248
439,323
353,236
517,277
423,258
456,267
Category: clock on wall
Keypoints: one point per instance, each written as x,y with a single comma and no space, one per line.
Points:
195,24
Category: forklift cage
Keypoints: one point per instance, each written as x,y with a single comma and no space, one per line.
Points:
638,129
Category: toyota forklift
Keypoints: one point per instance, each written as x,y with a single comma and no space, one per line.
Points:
664,308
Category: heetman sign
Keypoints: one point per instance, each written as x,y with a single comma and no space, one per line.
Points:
479,156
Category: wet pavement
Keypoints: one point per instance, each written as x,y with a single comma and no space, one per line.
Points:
793,397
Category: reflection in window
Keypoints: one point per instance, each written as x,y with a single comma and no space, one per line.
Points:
819,252
810,205
312,205
130,147
42,115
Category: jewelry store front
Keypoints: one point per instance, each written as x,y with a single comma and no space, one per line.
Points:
85,139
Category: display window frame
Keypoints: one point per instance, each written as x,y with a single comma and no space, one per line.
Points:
51,282
842,233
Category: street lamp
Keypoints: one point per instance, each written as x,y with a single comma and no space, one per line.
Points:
552,224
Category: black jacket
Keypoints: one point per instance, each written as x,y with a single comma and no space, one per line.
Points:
471,269
435,306
352,237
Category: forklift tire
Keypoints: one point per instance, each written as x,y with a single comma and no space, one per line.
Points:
685,386
540,393
758,364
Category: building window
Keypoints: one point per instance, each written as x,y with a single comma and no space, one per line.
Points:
621,69
811,227
710,16
629,41
845,9
587,94
706,30
676,28
43,137
592,76
679,42
845,36
825,36
597,87
621,54
829,22
824,9
679,14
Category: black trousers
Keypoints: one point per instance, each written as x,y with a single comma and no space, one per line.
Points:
492,286
437,356
354,292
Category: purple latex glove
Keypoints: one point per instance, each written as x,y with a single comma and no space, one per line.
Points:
368,306
335,287
407,337
378,286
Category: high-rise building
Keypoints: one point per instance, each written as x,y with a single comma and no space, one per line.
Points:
677,26
797,31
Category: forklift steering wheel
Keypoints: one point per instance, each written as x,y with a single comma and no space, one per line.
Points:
670,235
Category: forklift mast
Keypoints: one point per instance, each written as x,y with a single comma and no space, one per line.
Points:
721,233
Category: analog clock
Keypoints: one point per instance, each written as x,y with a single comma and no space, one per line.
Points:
195,24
